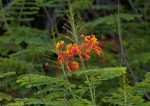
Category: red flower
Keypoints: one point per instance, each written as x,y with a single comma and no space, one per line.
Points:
85,55
72,66
98,50
63,57
86,46
67,57
73,49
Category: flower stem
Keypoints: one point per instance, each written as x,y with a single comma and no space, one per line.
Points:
66,83
90,87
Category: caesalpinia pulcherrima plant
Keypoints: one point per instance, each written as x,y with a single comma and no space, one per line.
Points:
82,47
66,57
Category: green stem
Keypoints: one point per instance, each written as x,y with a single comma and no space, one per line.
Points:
1,5
119,33
6,24
53,34
73,25
23,2
67,84
94,93
91,91
124,91
64,85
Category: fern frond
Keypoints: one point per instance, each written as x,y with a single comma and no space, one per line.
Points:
4,96
124,97
20,34
2,75
110,19
21,8
34,101
18,103
52,88
81,4
37,80
14,64
4,16
144,86
103,73
104,7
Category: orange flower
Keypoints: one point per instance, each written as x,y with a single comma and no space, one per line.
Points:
98,50
86,46
59,44
73,49
62,58
91,39
87,39
67,57
72,66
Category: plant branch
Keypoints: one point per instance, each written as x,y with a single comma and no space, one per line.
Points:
123,53
66,83
91,91
123,56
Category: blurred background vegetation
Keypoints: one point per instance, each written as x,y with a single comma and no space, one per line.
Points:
28,29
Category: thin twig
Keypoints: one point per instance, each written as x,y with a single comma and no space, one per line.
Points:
123,53
65,85
123,56
66,79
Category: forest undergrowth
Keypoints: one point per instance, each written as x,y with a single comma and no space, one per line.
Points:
74,53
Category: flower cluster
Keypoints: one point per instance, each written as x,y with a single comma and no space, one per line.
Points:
83,50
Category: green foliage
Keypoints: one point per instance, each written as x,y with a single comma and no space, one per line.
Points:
104,72
129,95
81,4
20,34
33,101
32,80
145,84
100,74
112,19
14,64
6,74
126,96
23,6
4,96
24,43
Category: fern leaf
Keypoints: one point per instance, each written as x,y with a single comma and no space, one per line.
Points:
125,96
11,64
18,103
4,96
110,19
34,101
20,34
20,8
38,80
103,73
7,74
144,86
